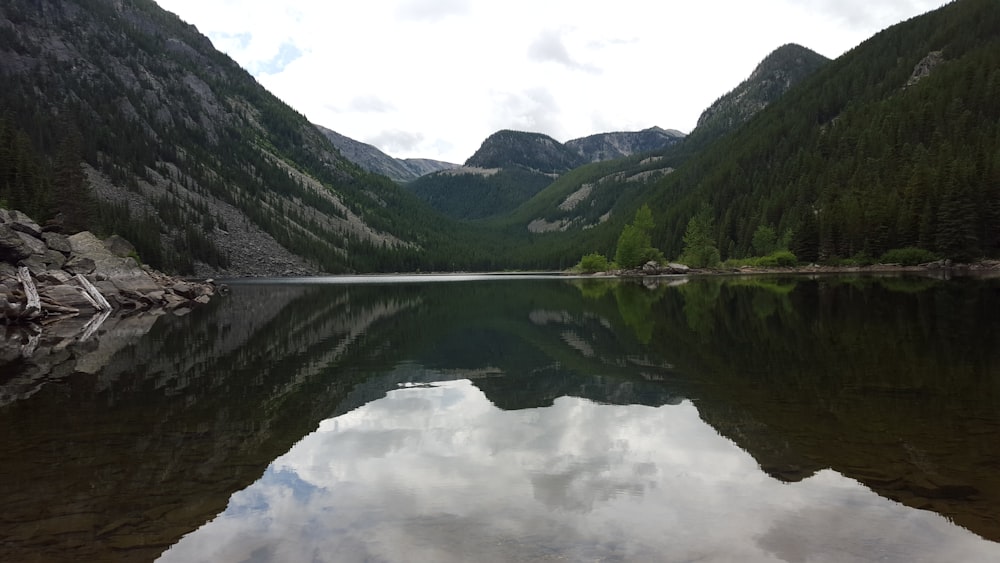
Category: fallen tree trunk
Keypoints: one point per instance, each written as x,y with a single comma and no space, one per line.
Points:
33,305
100,303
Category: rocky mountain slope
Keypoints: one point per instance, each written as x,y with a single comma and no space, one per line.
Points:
181,151
609,146
373,160
592,195
776,74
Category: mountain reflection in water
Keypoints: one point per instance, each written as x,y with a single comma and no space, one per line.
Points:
750,419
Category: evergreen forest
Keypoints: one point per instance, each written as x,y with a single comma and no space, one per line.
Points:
144,130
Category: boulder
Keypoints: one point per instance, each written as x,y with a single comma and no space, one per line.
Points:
22,223
126,275
57,242
55,277
119,246
675,268
34,244
35,264
54,259
650,267
80,265
12,247
185,289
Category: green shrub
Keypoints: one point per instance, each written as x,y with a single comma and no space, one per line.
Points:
592,263
909,256
777,259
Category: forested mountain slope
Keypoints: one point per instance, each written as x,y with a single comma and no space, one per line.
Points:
894,144
593,194
507,170
184,153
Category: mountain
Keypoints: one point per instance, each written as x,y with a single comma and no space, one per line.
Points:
785,67
530,151
593,195
895,144
511,167
475,193
125,119
373,160
508,169
609,146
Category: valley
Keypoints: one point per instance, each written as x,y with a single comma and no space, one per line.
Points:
120,118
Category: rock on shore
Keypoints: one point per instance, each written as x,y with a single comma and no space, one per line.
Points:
45,276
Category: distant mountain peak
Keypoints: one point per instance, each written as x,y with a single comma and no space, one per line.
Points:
620,144
374,160
531,151
774,75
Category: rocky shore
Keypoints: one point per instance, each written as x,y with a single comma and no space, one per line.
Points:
47,277
939,268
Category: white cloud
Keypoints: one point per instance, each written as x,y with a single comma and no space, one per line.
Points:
440,474
455,71
396,141
549,47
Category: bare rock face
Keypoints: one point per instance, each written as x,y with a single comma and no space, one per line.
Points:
925,67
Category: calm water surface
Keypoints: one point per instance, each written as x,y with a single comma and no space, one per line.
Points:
766,419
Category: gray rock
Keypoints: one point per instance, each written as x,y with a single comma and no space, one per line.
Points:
123,272
185,289
57,242
119,246
156,296
676,268
54,277
650,267
34,244
80,265
4,216
7,271
35,264
54,259
12,247
23,223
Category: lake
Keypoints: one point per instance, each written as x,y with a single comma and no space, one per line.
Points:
515,418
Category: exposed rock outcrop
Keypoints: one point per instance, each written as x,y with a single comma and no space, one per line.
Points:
925,67
46,276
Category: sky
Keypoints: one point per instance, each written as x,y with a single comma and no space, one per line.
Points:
434,78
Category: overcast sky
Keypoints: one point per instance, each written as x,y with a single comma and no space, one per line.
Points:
433,78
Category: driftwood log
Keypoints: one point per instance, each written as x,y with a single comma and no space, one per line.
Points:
33,304
92,294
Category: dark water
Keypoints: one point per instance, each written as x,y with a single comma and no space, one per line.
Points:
839,419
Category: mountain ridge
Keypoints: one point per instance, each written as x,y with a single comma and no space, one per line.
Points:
181,150
372,159
620,144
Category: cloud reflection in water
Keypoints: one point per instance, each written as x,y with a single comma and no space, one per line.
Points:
440,474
